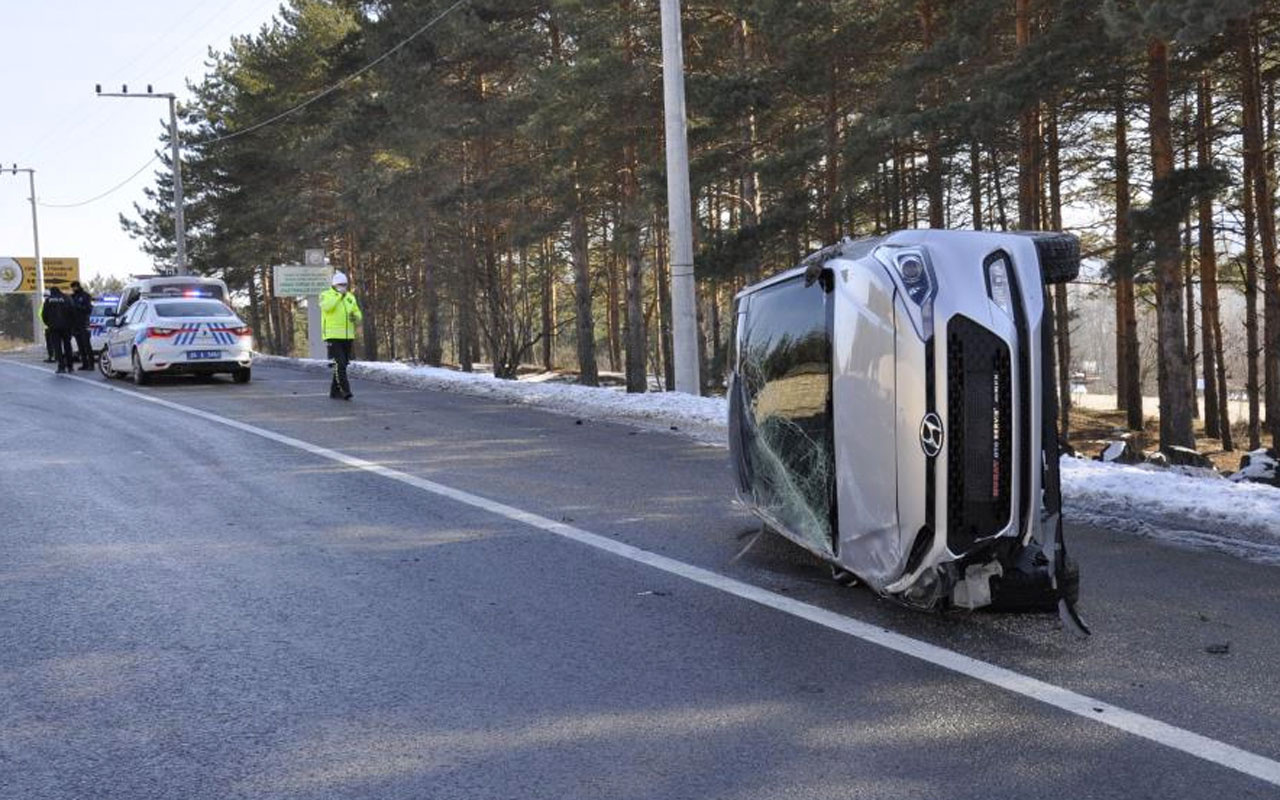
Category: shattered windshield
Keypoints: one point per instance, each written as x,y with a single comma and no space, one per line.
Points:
785,372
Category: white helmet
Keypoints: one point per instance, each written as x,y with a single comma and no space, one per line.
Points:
339,278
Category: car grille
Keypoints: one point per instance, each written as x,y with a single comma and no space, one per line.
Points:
979,430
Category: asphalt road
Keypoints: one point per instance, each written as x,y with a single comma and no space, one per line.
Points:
190,610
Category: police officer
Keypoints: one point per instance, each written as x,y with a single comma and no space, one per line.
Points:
48,334
82,302
59,315
340,315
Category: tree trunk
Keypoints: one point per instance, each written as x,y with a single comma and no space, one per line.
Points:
1062,314
1188,268
831,173
433,353
1028,134
637,341
1002,213
975,182
547,263
1264,207
1251,311
588,374
1208,269
1174,374
933,159
1128,368
662,278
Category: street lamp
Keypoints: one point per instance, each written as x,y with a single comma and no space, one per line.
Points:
179,224
37,328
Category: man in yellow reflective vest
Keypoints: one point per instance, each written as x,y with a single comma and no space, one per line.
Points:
340,316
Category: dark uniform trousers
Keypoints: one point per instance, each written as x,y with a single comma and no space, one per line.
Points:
340,355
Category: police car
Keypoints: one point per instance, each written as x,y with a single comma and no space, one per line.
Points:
189,335
103,309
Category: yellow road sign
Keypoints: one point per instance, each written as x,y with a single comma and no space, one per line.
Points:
58,272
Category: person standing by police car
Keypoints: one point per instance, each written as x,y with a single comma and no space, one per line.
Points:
339,315
82,302
59,315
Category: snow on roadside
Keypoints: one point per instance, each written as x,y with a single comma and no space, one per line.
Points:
702,418
1191,507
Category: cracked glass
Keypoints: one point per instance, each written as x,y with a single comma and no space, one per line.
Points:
784,370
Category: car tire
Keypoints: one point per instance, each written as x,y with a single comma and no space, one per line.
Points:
1059,257
104,365
140,376
241,375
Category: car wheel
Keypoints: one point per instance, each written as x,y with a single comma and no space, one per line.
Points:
241,375
104,365
1059,257
140,376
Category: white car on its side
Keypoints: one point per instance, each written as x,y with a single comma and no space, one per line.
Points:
177,335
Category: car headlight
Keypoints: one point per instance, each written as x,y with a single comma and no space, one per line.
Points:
998,287
919,283
916,276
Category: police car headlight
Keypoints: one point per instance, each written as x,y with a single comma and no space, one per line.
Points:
998,287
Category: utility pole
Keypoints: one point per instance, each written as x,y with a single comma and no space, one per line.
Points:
37,327
179,222
679,205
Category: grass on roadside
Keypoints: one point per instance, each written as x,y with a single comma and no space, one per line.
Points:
1091,431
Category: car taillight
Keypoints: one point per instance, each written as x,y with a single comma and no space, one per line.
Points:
244,331
160,333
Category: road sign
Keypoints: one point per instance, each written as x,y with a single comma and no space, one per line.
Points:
300,280
314,257
21,274
10,275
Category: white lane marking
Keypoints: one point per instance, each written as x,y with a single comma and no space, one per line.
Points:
1186,741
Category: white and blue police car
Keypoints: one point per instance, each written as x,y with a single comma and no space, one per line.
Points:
103,309
177,335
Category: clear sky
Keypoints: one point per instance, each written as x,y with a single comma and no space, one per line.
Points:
80,144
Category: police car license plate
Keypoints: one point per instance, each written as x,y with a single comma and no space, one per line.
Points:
199,355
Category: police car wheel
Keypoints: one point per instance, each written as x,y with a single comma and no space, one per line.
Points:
241,375
104,365
140,376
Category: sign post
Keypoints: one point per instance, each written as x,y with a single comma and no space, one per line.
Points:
306,280
32,276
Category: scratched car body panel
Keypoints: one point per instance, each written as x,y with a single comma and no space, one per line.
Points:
178,335
891,410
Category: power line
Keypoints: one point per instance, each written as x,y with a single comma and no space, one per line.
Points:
343,82
271,120
112,190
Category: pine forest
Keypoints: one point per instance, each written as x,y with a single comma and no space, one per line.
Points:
491,175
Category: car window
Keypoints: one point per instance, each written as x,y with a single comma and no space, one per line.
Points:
785,368
135,313
192,308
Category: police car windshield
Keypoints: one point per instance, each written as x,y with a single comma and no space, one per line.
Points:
192,308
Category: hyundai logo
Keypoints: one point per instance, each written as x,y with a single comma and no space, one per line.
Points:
931,434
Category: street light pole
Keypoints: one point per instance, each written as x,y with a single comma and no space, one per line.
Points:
37,327
179,217
679,205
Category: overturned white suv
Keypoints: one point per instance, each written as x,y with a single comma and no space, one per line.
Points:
892,410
